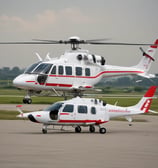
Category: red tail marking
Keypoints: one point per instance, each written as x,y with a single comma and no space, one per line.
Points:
155,46
151,91
146,105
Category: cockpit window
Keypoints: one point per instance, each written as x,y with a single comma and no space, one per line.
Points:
43,68
31,68
53,107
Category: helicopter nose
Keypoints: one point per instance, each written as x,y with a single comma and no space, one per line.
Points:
23,81
18,81
32,118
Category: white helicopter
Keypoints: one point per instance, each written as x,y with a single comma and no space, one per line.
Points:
76,70
90,112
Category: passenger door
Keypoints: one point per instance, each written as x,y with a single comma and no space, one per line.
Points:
67,113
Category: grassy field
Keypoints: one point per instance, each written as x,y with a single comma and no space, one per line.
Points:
11,115
36,100
12,96
8,115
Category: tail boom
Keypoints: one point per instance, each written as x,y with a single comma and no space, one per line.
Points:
142,106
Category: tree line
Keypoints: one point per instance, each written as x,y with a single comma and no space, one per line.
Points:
7,73
128,81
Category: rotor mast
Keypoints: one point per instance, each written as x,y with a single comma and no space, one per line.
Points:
74,41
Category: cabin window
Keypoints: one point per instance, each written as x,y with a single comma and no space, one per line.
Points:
53,70
68,70
68,108
78,71
82,109
60,70
87,72
93,110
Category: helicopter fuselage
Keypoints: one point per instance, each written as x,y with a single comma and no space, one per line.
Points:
75,70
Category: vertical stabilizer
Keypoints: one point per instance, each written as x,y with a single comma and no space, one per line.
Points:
148,57
144,104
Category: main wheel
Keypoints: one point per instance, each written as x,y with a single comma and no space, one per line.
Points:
92,128
44,131
102,130
78,129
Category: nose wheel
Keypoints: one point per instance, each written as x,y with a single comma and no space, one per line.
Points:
44,129
27,100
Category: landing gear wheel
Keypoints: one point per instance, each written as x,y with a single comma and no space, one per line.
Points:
92,128
102,130
44,131
78,129
27,101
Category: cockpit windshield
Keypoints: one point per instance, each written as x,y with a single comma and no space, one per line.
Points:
54,107
43,68
31,68
37,68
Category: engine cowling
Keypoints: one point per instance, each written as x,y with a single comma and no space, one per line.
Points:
95,59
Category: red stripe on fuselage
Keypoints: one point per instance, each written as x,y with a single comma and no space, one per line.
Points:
82,121
30,81
64,113
58,84
86,77
96,76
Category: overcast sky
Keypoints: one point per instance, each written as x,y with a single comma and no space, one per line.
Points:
134,21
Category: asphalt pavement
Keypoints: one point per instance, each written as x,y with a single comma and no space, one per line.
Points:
22,145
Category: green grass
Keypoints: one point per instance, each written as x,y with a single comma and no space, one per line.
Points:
8,115
49,100
12,92
36,100
11,115
14,96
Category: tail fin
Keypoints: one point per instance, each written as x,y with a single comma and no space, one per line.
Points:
144,104
148,57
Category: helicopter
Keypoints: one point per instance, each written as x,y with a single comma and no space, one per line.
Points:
77,69
87,112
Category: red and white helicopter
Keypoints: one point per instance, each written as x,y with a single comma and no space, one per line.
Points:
90,112
76,70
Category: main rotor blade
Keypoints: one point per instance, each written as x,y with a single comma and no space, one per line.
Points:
48,41
38,41
113,43
93,40
25,42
